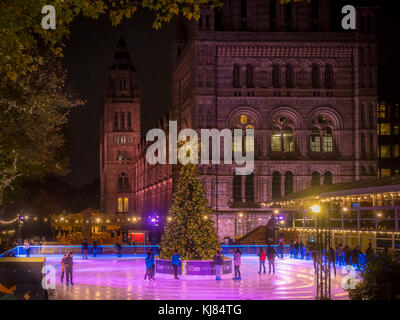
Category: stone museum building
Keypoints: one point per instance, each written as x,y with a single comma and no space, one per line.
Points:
289,71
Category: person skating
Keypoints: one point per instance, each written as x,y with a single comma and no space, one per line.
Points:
291,247
301,248
94,249
218,262
176,261
355,257
296,249
119,248
27,248
149,261
69,263
237,257
339,253
63,267
262,257
84,249
271,254
347,257
281,246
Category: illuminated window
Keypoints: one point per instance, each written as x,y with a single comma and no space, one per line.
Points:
327,140
123,203
288,140
396,150
384,152
384,129
276,145
381,111
315,140
396,130
385,173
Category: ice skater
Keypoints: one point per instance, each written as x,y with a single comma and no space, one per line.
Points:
218,262
84,249
281,246
149,261
262,259
176,262
63,267
69,263
237,257
27,248
94,249
119,248
271,254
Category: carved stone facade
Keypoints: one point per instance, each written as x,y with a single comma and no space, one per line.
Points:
308,90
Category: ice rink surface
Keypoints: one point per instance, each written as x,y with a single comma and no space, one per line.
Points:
112,278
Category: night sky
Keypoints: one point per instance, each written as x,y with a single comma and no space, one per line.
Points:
87,57
90,51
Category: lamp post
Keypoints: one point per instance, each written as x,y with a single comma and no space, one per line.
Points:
323,242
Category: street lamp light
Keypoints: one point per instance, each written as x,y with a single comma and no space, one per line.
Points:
324,261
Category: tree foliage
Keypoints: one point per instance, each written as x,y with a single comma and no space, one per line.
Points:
190,230
380,280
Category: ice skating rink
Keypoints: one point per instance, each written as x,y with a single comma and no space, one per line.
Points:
112,278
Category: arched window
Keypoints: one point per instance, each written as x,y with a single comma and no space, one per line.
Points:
115,120
249,76
123,183
236,76
363,144
329,77
288,183
327,140
276,76
316,76
289,78
288,140
276,145
122,115
237,187
276,185
249,191
315,179
328,179
315,140
371,144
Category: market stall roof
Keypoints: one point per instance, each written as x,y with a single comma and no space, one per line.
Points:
384,185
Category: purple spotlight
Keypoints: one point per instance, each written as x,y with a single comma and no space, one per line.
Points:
280,218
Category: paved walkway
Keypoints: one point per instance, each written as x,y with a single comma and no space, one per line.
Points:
122,279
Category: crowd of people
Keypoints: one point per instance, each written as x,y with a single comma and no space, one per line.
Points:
341,256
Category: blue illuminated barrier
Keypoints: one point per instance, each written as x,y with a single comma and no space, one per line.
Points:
126,250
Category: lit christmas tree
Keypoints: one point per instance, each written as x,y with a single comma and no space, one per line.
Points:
189,231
